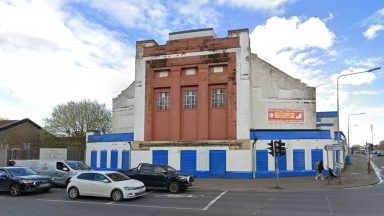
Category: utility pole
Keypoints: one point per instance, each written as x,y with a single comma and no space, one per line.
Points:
276,164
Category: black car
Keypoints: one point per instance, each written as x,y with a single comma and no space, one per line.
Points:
17,180
160,176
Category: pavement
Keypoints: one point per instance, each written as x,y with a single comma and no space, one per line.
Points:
355,175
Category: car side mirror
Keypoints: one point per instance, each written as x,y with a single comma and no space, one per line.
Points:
105,180
65,169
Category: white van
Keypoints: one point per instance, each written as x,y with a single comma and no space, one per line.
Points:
61,171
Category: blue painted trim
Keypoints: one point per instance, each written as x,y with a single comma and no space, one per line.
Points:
238,174
93,158
330,114
117,137
336,135
290,134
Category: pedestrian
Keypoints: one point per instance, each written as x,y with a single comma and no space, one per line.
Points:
11,163
320,168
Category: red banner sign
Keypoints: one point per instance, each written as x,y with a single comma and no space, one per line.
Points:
285,115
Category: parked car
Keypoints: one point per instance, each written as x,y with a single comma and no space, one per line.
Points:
160,176
17,180
111,184
380,153
375,152
61,171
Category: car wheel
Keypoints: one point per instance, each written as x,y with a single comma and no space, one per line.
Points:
73,193
174,187
117,195
15,190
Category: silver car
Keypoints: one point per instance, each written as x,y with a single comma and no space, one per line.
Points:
61,171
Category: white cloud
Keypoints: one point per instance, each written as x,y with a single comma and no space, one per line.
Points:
375,24
256,4
47,58
372,31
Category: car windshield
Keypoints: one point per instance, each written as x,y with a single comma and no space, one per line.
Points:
117,177
22,171
77,165
170,169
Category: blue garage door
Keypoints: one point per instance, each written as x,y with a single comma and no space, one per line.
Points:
283,163
125,159
160,157
217,163
114,155
298,159
94,159
261,160
103,159
188,161
317,154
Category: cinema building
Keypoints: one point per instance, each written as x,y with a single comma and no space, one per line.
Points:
208,106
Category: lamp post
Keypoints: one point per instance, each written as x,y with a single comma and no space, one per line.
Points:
338,106
349,144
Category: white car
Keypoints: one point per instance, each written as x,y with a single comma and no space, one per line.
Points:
111,184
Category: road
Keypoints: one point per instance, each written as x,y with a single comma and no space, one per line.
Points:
357,201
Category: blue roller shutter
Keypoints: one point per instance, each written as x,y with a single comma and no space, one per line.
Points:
317,154
283,163
188,161
125,159
94,159
160,157
103,159
261,160
298,159
114,155
217,163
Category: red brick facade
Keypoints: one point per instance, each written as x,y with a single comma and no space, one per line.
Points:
202,122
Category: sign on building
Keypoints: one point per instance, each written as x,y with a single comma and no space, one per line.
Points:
53,153
285,115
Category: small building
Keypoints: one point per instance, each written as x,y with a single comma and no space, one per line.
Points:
208,106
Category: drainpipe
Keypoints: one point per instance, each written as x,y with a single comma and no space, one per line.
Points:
130,155
254,158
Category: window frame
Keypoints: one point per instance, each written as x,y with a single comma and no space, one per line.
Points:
216,101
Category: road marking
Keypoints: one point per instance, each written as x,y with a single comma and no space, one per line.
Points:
377,172
118,204
178,196
213,201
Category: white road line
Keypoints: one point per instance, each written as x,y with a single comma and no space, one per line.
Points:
118,204
213,201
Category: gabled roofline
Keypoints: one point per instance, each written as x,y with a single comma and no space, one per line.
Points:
14,124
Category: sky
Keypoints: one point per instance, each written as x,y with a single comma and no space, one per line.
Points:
56,51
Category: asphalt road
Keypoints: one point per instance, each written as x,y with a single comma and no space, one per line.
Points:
357,201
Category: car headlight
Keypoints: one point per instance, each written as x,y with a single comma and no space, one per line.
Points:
129,188
27,181
184,178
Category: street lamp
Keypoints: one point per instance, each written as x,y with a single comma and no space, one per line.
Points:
349,144
338,106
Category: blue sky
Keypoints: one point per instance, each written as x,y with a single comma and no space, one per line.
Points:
55,51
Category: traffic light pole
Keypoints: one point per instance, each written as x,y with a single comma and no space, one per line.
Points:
276,165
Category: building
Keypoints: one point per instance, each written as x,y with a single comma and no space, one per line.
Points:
208,106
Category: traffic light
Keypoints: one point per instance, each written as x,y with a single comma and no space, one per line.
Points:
277,148
270,148
282,148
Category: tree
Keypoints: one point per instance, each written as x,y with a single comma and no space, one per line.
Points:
74,119
381,145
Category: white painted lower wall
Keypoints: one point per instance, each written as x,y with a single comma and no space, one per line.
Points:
236,160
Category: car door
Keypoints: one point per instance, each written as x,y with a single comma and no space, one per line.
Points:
160,176
83,182
60,172
5,180
101,186
146,174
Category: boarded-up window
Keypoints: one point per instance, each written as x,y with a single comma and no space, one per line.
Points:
163,74
218,69
190,71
